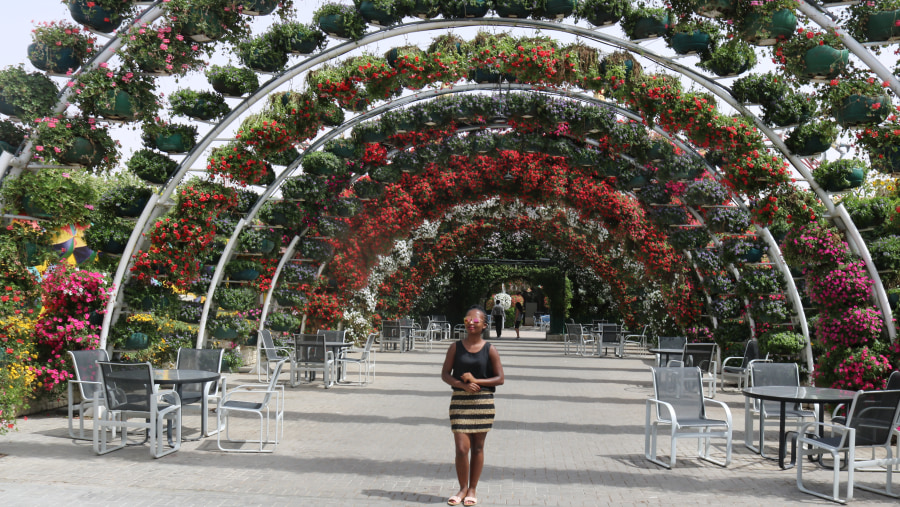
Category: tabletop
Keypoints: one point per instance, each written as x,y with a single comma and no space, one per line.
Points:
798,394
666,351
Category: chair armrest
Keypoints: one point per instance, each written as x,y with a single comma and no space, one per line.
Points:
724,407
727,359
840,406
668,406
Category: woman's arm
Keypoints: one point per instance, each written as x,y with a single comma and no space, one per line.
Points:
498,378
448,367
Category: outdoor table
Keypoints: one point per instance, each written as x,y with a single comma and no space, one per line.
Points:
179,378
336,349
667,353
793,394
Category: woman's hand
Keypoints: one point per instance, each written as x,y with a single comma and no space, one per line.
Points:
467,377
471,387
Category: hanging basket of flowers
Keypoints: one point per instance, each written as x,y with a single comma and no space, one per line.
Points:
238,163
169,137
322,163
73,141
151,166
841,175
341,21
858,101
263,53
602,12
61,195
116,94
688,238
813,55
383,12
102,16
812,139
298,38
160,50
729,59
26,96
204,106
206,20
874,21
883,145
232,81
59,47
765,23
464,8
646,23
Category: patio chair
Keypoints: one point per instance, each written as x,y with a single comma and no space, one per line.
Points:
391,336
871,422
254,399
670,343
312,356
893,384
206,360
580,337
87,380
679,403
740,373
132,402
365,361
268,353
638,339
611,337
703,356
545,323
773,374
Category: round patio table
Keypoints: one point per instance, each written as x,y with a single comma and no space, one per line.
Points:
793,394
666,353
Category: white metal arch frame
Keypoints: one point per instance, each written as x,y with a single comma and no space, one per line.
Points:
436,25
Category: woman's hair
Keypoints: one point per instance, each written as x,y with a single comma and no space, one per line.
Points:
518,305
480,309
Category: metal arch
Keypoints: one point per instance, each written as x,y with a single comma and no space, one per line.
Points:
433,25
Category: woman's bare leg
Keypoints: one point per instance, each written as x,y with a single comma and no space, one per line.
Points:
462,442
476,464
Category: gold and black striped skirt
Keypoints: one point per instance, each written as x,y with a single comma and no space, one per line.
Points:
471,412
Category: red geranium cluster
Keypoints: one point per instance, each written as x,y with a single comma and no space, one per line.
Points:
267,137
237,163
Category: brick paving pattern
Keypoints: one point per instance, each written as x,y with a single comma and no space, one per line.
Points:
569,431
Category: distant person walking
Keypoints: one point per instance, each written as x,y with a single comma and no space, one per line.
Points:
497,315
520,316
473,369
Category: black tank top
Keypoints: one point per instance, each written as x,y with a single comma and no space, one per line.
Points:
478,364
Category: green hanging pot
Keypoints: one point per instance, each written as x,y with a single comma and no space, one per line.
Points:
202,26
5,146
893,299
650,27
82,152
696,42
375,16
113,246
269,60
245,275
484,76
32,210
226,88
304,45
517,9
120,106
137,341
478,10
56,60
886,160
95,17
8,108
857,110
424,9
762,30
823,63
133,209
731,68
814,145
258,7
601,17
173,143
753,255
556,9
224,333
854,178
333,25
882,26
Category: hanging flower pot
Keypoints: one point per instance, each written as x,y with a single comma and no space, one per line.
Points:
258,7
753,254
82,153
424,9
376,16
203,26
840,175
333,25
646,24
53,59
766,30
94,17
812,146
245,275
812,138
32,210
554,9
691,43
516,9
262,54
485,76
823,63
171,143
862,110
137,341
133,209
883,26
464,9
118,106
224,333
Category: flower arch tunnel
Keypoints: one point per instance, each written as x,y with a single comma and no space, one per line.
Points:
754,174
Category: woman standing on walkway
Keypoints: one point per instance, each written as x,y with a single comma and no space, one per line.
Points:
520,316
473,369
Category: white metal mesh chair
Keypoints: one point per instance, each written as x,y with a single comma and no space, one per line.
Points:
703,356
580,337
365,362
255,399
638,339
312,356
678,402
205,360
268,353
872,420
773,374
391,336
611,337
132,402
740,372
88,382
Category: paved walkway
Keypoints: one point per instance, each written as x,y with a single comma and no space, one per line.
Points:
569,431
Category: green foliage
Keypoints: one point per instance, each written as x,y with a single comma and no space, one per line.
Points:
66,195
200,105
785,343
152,166
31,95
